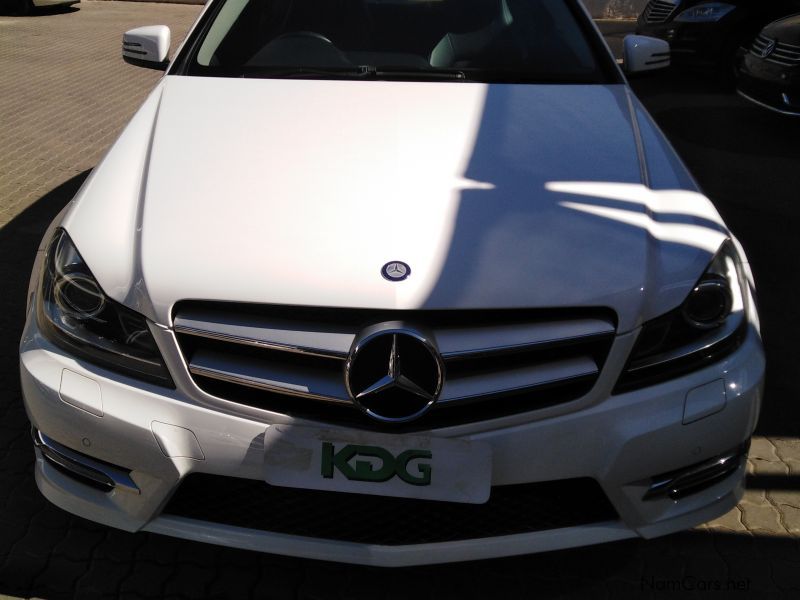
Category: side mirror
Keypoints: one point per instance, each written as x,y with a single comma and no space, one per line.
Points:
147,47
642,53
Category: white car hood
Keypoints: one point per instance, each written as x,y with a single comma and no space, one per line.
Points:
297,192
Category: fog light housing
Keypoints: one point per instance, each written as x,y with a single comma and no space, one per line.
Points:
695,478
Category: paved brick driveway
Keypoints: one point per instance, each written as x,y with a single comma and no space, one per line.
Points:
64,95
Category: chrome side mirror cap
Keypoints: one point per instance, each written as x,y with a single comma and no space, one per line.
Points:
642,53
147,47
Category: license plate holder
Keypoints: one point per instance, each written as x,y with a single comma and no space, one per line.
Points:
363,462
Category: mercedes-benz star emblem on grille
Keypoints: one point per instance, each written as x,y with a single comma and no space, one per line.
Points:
769,48
396,271
394,375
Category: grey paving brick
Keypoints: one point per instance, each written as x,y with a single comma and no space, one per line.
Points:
754,573
232,582
325,582
620,589
79,543
781,548
278,580
119,546
785,575
38,543
104,578
61,576
50,522
738,545
189,581
20,570
162,550
760,516
787,504
788,450
146,580
765,459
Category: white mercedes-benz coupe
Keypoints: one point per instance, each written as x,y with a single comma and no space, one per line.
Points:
392,282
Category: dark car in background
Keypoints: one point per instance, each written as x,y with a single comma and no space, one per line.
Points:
769,69
26,7
708,34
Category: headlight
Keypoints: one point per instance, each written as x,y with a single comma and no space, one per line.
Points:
710,324
75,314
704,13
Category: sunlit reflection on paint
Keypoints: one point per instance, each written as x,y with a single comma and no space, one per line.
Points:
646,205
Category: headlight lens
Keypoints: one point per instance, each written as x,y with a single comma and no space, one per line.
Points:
74,313
703,13
709,325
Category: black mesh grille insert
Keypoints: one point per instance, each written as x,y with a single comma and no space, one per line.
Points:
511,509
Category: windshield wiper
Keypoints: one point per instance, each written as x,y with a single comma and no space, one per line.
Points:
402,72
304,72
356,72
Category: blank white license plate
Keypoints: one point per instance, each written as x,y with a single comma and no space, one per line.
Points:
362,462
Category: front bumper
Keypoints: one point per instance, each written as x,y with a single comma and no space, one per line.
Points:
768,84
159,437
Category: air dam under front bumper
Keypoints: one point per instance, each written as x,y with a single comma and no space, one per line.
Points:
622,442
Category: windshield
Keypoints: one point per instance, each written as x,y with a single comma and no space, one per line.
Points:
469,40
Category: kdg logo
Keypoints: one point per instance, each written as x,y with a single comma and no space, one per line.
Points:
365,470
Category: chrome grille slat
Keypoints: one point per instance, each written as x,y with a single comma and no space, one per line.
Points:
284,378
249,341
525,378
467,342
784,54
790,55
659,11
279,358
274,334
786,45
783,63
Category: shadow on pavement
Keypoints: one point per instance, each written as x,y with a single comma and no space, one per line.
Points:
19,240
773,482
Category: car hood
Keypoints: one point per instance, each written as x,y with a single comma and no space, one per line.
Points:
785,30
297,192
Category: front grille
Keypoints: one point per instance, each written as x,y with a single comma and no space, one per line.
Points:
365,519
782,53
659,11
291,360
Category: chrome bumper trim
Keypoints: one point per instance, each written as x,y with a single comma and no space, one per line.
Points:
692,479
102,474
